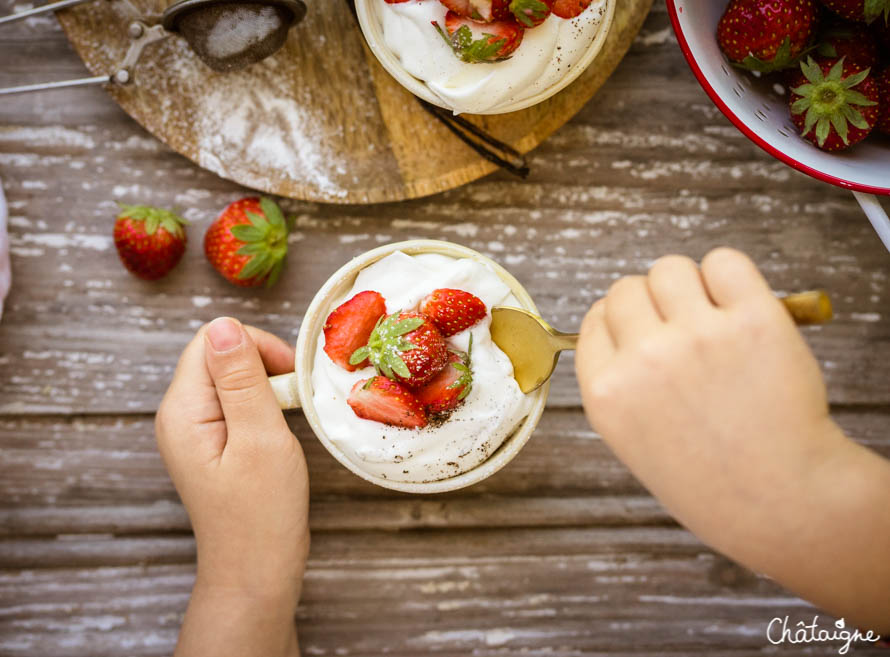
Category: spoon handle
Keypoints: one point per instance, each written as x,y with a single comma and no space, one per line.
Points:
809,307
812,307
563,341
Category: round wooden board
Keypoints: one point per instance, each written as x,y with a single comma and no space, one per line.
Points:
320,120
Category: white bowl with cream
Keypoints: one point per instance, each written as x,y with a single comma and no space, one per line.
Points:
550,57
321,393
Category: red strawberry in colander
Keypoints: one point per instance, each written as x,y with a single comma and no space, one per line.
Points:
766,35
834,104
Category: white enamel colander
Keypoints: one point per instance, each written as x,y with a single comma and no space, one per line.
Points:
759,108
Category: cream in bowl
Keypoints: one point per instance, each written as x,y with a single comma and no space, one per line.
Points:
428,445
468,65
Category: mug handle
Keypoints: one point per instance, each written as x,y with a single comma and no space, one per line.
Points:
285,388
876,215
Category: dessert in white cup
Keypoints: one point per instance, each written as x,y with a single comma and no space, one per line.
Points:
550,56
296,390
491,411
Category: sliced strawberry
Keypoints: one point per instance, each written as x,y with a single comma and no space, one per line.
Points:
530,13
350,324
569,8
449,387
475,42
405,347
453,311
381,400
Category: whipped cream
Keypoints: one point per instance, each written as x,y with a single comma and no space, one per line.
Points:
547,54
475,429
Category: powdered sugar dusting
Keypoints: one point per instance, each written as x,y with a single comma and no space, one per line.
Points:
262,126
237,31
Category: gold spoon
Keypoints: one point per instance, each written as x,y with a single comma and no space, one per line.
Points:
533,346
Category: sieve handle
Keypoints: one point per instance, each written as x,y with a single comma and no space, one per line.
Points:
53,6
876,215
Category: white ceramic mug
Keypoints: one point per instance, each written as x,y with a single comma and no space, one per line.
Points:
294,390
373,31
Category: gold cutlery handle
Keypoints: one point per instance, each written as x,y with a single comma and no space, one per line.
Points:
806,308
809,307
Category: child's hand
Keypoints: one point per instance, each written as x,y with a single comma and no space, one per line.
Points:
701,383
242,477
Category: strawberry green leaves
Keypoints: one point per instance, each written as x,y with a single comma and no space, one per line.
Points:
386,344
154,218
831,101
265,242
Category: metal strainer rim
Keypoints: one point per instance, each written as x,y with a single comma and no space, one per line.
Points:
175,11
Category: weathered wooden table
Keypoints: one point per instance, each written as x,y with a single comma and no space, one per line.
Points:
561,553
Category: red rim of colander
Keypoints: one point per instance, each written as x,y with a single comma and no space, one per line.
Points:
750,134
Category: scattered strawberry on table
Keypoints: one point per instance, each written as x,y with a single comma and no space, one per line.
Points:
247,243
149,241
481,31
834,55
418,374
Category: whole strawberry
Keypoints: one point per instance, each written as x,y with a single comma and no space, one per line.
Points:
405,347
833,104
149,241
883,82
475,42
766,35
248,242
852,41
863,11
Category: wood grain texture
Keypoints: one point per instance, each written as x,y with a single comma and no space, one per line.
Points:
562,553
319,120
563,592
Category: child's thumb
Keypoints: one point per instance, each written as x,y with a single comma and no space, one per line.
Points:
236,368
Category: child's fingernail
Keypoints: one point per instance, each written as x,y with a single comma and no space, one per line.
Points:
224,333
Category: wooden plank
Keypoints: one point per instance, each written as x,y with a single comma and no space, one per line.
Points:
104,475
551,592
